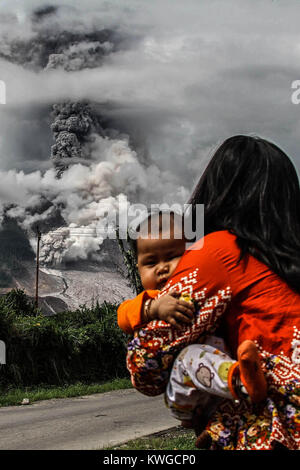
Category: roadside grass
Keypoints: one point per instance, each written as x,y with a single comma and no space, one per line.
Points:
14,396
177,438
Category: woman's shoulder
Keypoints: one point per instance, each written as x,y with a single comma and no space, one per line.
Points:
204,269
216,241
216,252
213,253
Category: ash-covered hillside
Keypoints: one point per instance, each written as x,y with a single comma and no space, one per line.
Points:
64,286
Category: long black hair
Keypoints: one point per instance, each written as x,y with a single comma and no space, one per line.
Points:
251,188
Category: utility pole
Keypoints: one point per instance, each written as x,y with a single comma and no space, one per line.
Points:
37,268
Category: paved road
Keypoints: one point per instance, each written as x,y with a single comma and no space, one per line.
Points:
89,422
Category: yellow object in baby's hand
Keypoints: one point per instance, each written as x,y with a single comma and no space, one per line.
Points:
186,297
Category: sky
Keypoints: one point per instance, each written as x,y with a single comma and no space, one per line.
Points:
187,76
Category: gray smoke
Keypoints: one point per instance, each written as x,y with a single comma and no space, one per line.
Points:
72,126
49,45
67,205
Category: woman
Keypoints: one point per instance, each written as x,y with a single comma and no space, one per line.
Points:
246,279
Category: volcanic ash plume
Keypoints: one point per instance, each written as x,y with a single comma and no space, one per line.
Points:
72,126
79,56
69,244
64,202
95,164
80,199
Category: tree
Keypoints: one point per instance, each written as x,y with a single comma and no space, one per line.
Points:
128,251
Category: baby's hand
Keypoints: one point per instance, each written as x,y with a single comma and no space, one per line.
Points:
173,310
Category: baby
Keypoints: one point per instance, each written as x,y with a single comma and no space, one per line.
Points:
200,372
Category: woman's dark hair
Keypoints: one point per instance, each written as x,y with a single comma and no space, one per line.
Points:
251,188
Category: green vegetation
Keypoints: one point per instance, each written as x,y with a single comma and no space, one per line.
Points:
14,396
85,345
174,439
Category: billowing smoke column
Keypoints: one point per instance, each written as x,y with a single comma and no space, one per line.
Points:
94,164
72,126
69,208
66,202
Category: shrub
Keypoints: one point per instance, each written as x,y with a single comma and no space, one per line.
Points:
17,301
84,345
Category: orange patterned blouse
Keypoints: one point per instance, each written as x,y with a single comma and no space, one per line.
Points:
251,302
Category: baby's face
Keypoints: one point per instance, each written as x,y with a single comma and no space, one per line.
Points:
157,260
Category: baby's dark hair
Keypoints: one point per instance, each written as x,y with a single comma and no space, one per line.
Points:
158,222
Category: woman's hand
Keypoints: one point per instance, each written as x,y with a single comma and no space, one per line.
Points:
171,309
